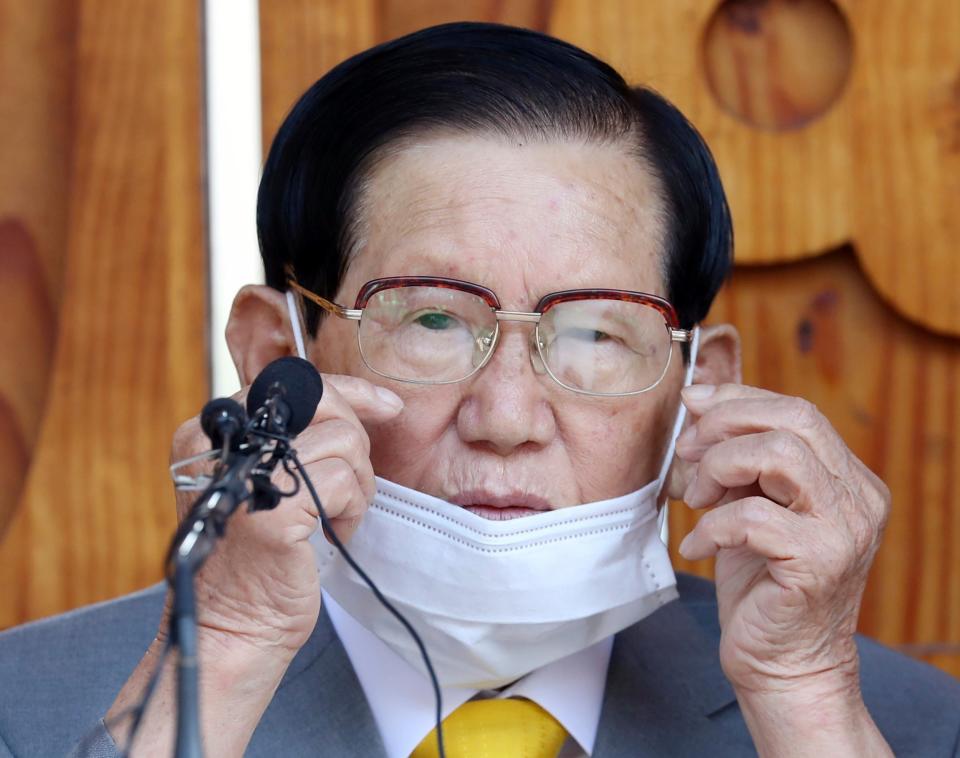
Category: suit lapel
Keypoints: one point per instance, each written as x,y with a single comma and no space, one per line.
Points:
319,708
665,695
663,685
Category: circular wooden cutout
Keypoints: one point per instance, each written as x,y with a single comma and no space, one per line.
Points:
777,64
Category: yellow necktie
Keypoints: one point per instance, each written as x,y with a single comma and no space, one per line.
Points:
496,729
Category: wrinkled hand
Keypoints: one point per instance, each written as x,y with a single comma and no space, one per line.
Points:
794,524
260,589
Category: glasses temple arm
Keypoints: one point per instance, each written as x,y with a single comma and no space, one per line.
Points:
329,307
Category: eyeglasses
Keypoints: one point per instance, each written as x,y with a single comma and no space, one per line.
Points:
432,330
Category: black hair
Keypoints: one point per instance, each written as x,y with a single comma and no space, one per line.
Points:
485,78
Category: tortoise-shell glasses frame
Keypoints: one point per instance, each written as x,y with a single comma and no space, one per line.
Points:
371,288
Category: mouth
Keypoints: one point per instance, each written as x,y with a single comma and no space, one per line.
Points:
501,507
501,514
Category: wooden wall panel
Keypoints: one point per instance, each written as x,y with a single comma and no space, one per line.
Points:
906,155
34,159
300,40
398,18
102,261
302,36
828,330
124,175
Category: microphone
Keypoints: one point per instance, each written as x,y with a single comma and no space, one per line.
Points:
222,420
281,402
285,395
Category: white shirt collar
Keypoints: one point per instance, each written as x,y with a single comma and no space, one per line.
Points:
401,698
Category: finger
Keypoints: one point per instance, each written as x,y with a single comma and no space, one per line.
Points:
333,438
698,398
780,463
339,491
734,417
188,440
755,523
739,493
368,401
339,438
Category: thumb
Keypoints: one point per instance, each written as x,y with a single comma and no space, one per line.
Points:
369,401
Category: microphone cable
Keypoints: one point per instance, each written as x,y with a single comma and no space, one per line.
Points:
136,711
140,708
332,535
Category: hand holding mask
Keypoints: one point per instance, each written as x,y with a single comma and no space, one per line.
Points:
794,524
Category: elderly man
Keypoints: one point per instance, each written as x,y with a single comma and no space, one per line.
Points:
499,255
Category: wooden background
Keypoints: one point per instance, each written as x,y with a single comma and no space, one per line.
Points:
845,290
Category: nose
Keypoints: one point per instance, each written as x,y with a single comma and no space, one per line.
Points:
505,406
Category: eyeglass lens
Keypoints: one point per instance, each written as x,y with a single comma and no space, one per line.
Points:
434,334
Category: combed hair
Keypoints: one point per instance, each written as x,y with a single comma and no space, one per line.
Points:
487,79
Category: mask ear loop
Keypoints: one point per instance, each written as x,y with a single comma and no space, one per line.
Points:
298,328
672,445
296,324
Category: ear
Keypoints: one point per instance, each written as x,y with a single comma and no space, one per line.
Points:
719,356
718,362
258,330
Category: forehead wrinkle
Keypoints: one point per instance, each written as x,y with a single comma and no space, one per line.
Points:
587,193
434,216
417,205
476,222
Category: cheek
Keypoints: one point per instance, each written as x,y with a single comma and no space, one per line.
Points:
334,350
403,449
408,449
617,448
611,450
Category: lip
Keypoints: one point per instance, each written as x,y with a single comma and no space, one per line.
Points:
501,507
501,514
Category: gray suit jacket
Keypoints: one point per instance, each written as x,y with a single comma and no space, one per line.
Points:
666,694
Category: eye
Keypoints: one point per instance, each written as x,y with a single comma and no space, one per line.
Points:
587,335
435,321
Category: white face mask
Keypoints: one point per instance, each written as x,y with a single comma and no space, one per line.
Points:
495,600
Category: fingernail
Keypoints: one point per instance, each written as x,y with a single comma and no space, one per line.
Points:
684,546
390,398
689,490
698,391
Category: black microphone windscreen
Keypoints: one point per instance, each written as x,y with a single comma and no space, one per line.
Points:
223,416
300,384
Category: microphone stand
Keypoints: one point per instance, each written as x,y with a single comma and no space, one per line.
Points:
183,632
238,480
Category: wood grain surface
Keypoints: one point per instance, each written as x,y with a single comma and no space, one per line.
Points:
34,157
905,121
845,290
337,30
130,356
779,64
